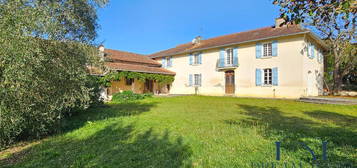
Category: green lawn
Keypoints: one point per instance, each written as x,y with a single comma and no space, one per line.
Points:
196,131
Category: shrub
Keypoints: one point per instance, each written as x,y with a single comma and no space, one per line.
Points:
127,96
43,59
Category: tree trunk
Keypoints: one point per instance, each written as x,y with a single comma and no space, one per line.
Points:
337,77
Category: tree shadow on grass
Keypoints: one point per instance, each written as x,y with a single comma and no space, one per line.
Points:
116,145
103,112
290,130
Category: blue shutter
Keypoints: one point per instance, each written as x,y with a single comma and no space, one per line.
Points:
258,50
235,56
190,79
275,76
190,59
200,58
312,51
274,47
221,58
163,62
169,64
258,77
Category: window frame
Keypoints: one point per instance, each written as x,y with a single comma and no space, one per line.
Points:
168,61
129,81
267,77
197,81
267,49
196,58
228,56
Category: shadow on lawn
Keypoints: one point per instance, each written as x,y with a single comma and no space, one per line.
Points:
290,130
104,112
116,145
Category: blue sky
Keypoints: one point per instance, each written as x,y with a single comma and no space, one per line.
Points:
148,26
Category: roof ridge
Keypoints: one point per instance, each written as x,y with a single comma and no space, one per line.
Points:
124,51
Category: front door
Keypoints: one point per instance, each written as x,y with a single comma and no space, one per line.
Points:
149,86
230,86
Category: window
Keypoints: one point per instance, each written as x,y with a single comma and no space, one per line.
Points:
196,58
168,61
129,81
229,56
267,76
197,79
267,50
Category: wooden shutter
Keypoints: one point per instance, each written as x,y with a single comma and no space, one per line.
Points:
221,58
235,56
274,48
258,50
190,79
275,76
190,57
258,77
163,62
200,58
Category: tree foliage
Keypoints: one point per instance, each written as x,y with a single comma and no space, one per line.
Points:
333,20
45,47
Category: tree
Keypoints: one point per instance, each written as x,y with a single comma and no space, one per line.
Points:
45,47
333,20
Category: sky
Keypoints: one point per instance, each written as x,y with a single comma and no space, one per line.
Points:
149,26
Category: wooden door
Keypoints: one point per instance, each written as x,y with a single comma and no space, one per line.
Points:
230,84
149,86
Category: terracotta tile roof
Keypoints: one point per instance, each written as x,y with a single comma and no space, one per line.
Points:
129,57
138,68
242,37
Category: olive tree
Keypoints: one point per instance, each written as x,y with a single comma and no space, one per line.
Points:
45,47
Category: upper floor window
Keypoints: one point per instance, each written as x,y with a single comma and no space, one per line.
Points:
169,61
267,50
196,58
268,76
229,56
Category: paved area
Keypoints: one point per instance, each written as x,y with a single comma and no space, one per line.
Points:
329,100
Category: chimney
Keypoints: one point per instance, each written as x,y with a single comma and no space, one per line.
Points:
197,40
101,52
279,22
101,48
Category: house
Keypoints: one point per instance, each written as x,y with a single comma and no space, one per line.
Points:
117,61
282,61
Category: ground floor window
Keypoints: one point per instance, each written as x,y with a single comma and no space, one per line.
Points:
197,81
129,81
268,76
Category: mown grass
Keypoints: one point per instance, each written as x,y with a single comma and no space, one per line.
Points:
196,131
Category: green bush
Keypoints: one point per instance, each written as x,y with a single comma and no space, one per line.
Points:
127,96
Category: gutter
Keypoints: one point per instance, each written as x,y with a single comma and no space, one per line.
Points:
225,45
118,69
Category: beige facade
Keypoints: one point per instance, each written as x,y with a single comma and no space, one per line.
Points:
298,75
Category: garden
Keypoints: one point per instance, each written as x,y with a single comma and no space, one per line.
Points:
193,131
